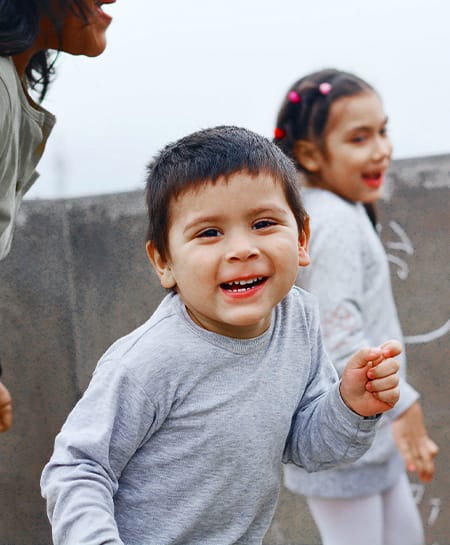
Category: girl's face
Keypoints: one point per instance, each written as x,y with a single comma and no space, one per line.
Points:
357,149
79,37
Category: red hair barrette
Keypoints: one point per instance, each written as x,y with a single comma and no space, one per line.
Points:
279,133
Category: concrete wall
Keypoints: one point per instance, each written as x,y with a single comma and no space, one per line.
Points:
77,278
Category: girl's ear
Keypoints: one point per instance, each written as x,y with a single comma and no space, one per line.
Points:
308,155
303,245
161,266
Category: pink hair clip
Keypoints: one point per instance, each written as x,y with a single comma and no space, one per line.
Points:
294,97
279,133
325,88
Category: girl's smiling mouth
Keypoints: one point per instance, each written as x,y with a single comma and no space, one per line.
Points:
374,180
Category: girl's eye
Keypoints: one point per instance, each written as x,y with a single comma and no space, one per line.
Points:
261,224
384,131
358,139
211,232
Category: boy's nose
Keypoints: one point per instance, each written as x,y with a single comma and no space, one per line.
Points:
241,249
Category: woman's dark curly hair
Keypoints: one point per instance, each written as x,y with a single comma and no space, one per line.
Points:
19,29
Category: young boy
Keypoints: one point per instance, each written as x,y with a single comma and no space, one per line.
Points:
180,436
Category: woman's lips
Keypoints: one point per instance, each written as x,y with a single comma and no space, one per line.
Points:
102,14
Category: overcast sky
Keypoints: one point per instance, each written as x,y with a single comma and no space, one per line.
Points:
172,67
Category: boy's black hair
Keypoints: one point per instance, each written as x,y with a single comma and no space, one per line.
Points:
19,29
204,157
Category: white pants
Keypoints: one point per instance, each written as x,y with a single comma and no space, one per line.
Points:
388,518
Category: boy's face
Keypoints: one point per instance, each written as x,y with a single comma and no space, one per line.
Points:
234,251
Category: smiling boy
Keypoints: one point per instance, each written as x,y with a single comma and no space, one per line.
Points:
180,436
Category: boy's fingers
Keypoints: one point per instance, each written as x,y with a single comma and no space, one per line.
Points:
383,384
363,357
390,397
383,369
391,348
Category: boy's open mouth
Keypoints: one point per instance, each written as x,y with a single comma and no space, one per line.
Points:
238,286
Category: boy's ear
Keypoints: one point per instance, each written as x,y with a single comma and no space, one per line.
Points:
308,155
161,266
303,245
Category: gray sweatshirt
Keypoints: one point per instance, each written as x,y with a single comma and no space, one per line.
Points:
349,274
180,436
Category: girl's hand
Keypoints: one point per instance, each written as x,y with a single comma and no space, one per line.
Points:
5,409
412,440
370,381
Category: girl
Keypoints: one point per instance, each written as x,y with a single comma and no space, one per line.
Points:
28,29
333,125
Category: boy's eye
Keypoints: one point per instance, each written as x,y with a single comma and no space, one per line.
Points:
210,232
384,131
261,224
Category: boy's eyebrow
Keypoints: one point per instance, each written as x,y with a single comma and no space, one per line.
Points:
251,212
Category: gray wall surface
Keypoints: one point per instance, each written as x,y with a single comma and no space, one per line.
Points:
77,278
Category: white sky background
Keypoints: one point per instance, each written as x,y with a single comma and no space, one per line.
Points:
173,67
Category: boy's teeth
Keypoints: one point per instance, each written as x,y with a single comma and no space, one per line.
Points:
244,282
241,285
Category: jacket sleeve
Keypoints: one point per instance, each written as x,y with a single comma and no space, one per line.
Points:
106,427
324,431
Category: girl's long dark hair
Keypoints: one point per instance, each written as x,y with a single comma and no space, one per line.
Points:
19,29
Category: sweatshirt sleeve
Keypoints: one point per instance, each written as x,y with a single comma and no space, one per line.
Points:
106,427
324,431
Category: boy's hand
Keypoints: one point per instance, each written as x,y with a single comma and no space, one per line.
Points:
370,381
5,409
412,440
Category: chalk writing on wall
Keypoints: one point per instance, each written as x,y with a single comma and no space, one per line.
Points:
400,243
433,505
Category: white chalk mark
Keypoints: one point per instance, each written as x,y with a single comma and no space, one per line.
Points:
405,245
418,491
435,509
402,266
430,336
